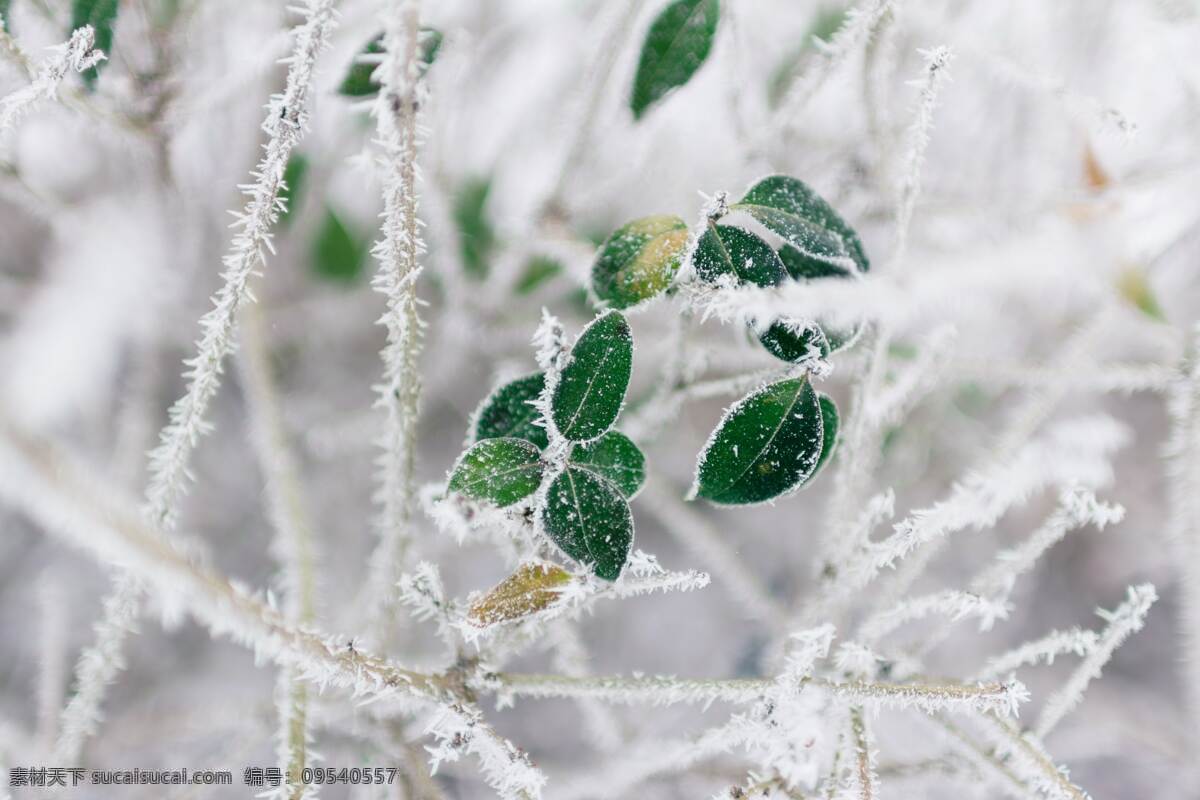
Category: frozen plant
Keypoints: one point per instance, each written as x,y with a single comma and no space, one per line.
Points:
761,400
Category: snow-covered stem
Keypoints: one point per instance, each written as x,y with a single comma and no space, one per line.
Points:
76,54
849,39
98,667
698,535
1123,622
1077,507
1074,641
937,62
615,778
951,603
52,656
398,251
459,728
293,540
285,123
1003,697
1183,525
1026,757
864,754
606,52
69,502
1070,452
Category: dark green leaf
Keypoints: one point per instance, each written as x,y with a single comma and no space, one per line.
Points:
338,254
588,518
805,268
767,445
592,385
829,425
358,82
676,45
476,238
102,16
794,211
508,411
726,250
795,340
613,456
502,471
639,260
538,270
293,186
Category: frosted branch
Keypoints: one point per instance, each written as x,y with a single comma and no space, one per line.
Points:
98,667
286,121
77,54
396,111
1123,622
937,62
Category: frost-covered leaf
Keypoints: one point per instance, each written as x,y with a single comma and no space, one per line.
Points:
791,209
795,340
530,589
293,186
726,250
537,271
588,518
767,445
804,268
613,456
476,237
677,43
830,424
102,16
502,471
338,254
592,385
509,412
358,82
639,260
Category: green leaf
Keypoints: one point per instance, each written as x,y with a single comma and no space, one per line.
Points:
795,340
791,209
102,16
767,444
726,250
676,45
613,456
5,22
806,268
588,518
639,260
803,268
830,425
502,471
291,192
338,254
476,237
537,270
358,82
508,412
592,385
